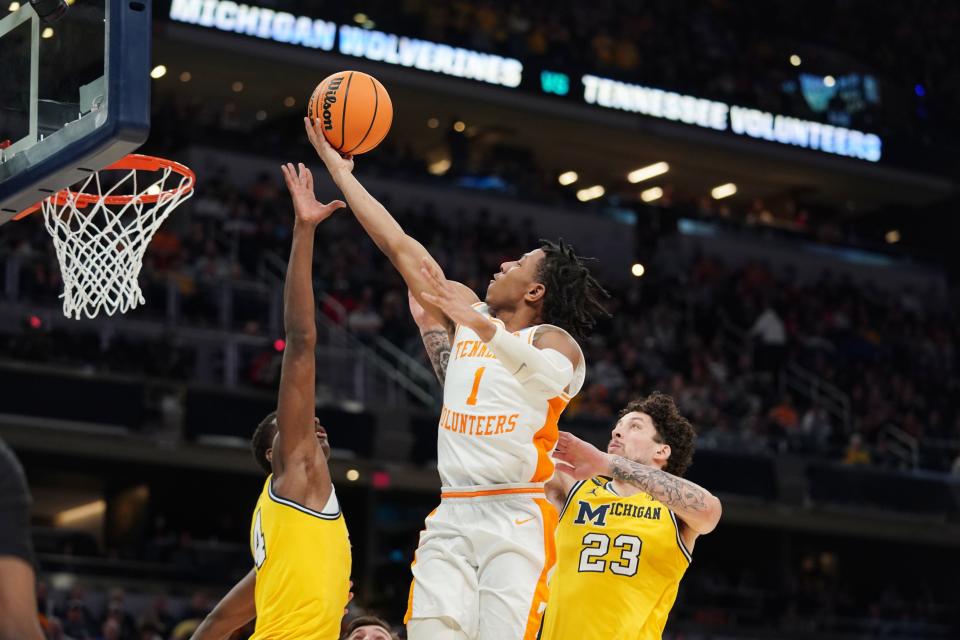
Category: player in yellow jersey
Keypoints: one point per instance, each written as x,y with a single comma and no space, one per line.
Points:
301,551
628,523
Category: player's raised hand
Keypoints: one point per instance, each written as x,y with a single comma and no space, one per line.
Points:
446,297
578,459
330,156
305,204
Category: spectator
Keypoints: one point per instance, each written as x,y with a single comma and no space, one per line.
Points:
76,622
159,616
856,453
150,631
185,629
784,414
771,337
364,321
116,609
815,427
111,630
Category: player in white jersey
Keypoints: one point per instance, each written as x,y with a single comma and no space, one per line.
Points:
481,568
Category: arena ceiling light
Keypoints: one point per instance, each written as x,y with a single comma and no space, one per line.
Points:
893,236
82,512
567,177
439,167
795,60
650,171
158,72
590,193
723,191
829,81
14,6
637,270
652,194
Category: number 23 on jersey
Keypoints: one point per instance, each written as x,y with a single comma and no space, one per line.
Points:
596,546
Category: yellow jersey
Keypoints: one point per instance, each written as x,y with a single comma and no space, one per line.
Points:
302,558
619,565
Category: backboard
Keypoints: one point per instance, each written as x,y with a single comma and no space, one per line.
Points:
74,95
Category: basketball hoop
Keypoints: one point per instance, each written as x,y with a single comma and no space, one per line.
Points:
101,235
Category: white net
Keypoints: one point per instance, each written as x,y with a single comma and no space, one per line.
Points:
100,247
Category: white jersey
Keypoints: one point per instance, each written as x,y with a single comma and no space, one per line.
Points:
492,431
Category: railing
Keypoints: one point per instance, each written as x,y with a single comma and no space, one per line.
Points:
384,374
818,391
733,339
903,445
225,323
408,365
795,378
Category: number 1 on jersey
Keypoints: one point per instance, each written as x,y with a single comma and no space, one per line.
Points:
472,399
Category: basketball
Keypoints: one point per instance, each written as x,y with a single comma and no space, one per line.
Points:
355,110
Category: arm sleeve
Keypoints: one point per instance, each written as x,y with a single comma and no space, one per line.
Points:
543,372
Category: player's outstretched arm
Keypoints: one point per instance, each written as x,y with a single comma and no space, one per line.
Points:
403,251
698,508
235,610
299,449
435,338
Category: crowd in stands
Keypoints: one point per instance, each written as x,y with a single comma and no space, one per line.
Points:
78,613
717,337
814,597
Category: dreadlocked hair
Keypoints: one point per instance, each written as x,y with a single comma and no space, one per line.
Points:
262,440
574,298
672,429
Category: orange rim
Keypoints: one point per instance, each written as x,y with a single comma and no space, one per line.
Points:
132,162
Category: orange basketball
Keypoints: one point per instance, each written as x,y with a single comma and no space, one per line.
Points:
355,111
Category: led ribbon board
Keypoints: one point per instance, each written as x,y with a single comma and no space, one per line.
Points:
433,57
710,114
377,46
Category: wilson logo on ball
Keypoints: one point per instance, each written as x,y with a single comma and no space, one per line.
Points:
329,98
353,109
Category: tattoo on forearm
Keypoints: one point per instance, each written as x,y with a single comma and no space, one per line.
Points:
672,491
437,343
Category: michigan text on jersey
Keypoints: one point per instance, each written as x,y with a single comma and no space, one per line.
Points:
598,515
